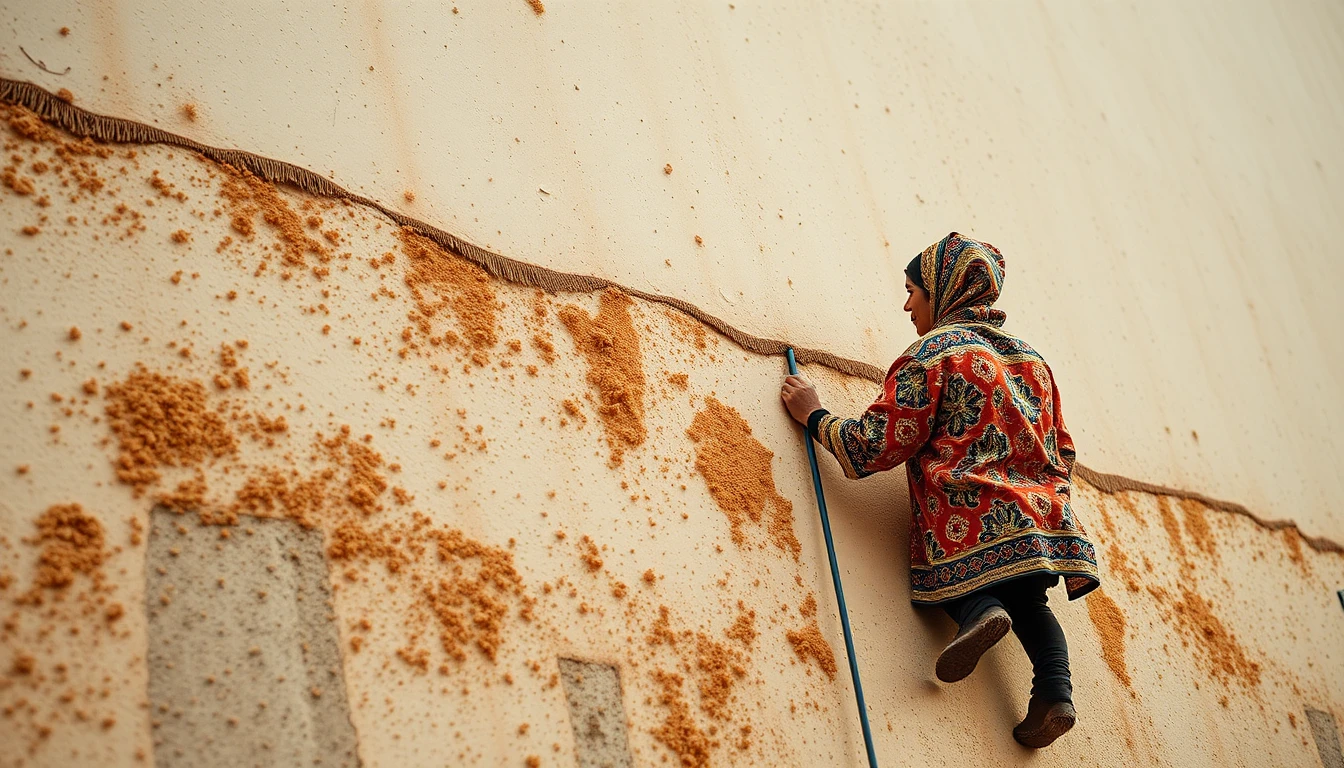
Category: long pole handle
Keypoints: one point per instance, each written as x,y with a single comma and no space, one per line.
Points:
839,590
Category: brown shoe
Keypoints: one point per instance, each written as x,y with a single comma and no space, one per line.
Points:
961,655
1045,722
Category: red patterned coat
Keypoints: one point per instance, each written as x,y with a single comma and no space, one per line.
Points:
974,414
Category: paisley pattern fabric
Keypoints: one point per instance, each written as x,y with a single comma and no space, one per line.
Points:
973,413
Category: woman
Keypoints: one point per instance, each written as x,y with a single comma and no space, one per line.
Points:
974,414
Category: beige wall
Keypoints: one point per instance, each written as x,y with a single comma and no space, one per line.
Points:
1163,177
1169,192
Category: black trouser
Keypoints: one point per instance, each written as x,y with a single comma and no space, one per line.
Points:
1033,623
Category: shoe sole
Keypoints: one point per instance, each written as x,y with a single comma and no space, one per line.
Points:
958,659
1051,729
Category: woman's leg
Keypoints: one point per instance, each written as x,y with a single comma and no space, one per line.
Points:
1041,635
969,607
982,621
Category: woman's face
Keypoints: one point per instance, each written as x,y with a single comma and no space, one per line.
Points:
917,304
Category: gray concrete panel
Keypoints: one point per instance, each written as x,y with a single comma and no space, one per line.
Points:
593,692
1326,733
244,655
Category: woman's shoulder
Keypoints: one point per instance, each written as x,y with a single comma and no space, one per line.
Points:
957,339
919,353
950,340
954,344
934,349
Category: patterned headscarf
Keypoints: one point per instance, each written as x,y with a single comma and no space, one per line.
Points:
963,278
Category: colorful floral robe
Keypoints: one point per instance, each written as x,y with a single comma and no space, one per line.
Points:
974,414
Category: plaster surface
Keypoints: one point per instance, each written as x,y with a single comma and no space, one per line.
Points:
1165,198
1161,196
535,479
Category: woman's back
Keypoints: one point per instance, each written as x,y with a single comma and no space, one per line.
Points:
974,414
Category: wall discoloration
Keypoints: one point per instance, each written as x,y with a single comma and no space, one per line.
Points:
84,123
355,425
781,151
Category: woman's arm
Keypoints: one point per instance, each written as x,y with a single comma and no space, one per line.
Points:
888,433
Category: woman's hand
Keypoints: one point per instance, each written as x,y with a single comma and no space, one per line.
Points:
800,397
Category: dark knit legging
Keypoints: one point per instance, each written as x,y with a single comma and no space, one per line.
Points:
1033,623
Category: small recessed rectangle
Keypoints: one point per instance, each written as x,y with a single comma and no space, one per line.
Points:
244,658
1326,733
593,693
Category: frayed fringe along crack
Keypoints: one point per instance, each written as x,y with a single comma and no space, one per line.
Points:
1110,484
81,122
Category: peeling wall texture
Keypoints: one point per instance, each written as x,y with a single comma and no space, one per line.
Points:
397,383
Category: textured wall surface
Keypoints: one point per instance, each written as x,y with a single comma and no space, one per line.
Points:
1162,197
499,479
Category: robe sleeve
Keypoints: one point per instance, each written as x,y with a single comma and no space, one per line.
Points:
892,429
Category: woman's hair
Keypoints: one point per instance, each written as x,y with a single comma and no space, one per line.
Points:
913,272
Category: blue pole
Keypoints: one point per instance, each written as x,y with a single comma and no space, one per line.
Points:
839,590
